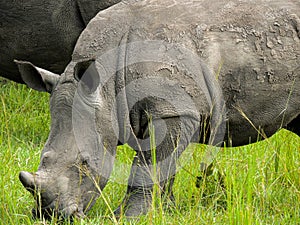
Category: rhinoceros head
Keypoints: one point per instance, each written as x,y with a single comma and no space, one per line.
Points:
76,160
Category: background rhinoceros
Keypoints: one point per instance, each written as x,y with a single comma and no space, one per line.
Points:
42,31
163,68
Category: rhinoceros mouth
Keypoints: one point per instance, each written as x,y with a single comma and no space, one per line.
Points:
51,209
44,211
72,211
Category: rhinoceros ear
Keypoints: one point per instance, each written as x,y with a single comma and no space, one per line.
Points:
86,72
37,78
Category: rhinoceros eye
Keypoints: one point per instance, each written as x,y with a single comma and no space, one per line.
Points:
46,159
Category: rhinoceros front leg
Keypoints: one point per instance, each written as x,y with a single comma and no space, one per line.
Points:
156,167
294,126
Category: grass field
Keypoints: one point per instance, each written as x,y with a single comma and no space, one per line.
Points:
262,180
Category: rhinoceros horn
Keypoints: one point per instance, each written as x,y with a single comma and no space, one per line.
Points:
28,180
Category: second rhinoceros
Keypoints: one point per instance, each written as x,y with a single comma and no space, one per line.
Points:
43,31
159,74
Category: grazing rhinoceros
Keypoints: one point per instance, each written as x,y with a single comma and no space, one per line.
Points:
155,74
43,32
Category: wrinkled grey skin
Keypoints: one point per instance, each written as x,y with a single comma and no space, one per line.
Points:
43,32
254,44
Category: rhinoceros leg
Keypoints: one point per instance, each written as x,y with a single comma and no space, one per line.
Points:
145,172
294,126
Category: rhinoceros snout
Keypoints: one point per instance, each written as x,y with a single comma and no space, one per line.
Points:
48,203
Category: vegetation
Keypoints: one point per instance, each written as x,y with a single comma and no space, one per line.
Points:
255,184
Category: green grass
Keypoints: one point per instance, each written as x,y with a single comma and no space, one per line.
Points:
262,180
